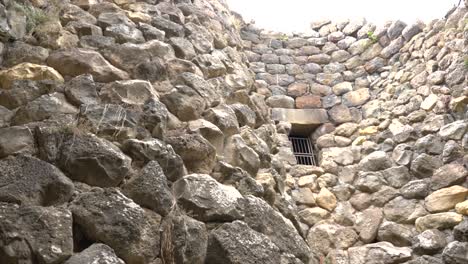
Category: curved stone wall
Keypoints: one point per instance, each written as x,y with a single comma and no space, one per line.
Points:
392,184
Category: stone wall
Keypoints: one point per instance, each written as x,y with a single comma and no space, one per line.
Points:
392,184
130,132
136,132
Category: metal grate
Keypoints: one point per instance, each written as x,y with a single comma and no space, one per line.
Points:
303,151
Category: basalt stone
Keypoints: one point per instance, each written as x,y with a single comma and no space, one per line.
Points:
35,234
150,189
455,253
208,200
107,215
29,181
96,253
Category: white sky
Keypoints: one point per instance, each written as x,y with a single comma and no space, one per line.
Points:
296,15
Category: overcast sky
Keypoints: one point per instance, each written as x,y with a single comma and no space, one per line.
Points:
295,15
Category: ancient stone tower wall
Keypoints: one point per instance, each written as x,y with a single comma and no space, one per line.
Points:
393,147
141,132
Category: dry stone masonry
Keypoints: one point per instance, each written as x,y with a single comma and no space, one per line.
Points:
156,132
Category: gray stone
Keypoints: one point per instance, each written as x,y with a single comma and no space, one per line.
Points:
76,62
381,252
397,176
185,240
460,231
429,242
264,219
150,189
92,160
45,107
107,215
35,234
456,253
208,200
417,189
424,165
197,153
404,211
448,175
397,234
375,161
395,29
410,31
280,101
96,253
29,181
236,243
368,223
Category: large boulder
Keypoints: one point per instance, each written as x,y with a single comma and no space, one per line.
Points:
456,253
237,243
90,159
207,200
445,199
106,215
74,62
262,218
16,140
381,252
198,154
28,71
150,189
183,240
34,234
144,151
96,253
29,181
48,106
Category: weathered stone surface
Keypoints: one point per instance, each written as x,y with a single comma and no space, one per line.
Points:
96,253
31,234
382,252
207,200
397,234
29,181
445,199
325,237
150,189
375,161
16,140
429,242
196,152
356,98
184,240
28,71
75,62
455,253
107,215
311,216
45,107
404,211
424,165
368,223
264,219
93,160
132,92
438,221
326,199
237,243
144,151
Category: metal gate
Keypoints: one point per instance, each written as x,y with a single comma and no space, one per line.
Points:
303,151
